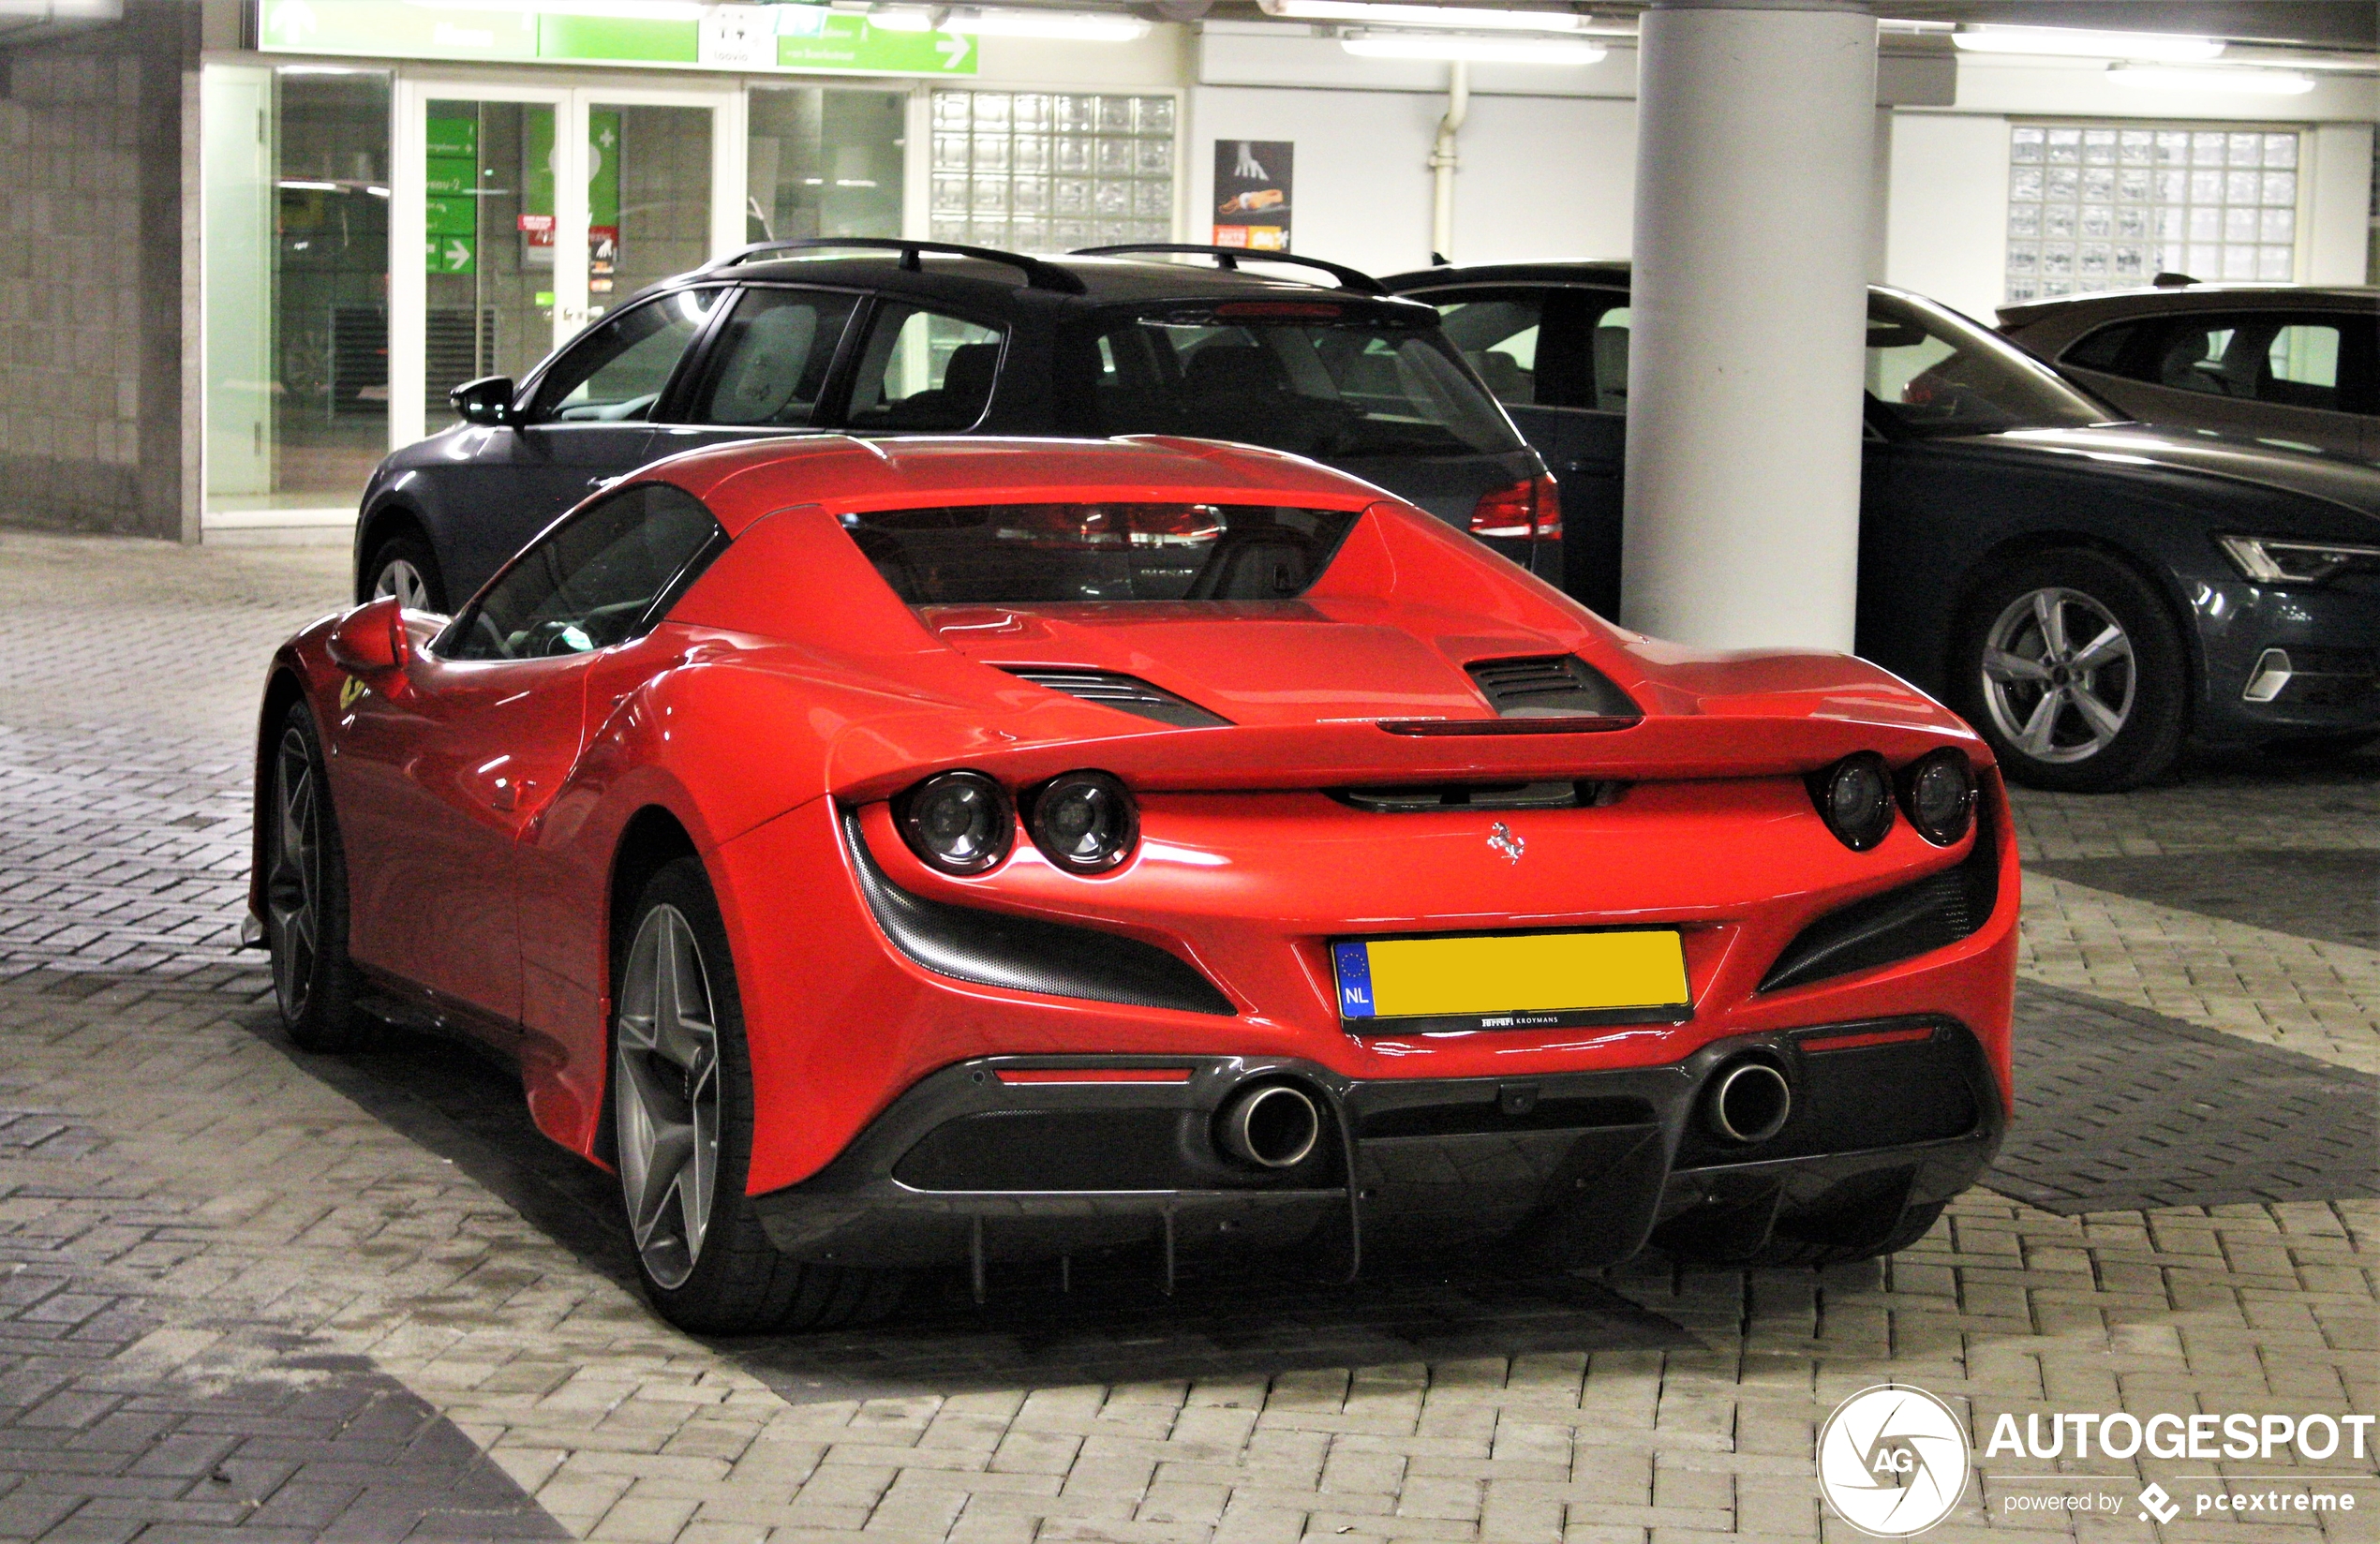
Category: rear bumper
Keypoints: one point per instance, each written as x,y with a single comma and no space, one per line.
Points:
1573,1169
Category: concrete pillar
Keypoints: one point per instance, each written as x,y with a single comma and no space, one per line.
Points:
1755,140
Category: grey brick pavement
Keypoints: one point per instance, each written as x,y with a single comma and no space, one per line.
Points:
366,1293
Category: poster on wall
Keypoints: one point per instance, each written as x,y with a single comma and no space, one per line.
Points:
1252,193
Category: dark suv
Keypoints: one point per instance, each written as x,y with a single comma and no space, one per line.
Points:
896,338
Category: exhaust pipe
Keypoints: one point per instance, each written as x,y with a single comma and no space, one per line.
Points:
1748,1101
1273,1126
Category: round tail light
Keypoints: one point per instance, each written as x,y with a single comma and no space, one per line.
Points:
1938,794
961,823
1085,822
1855,797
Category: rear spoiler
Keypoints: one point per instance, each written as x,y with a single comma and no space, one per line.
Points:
869,765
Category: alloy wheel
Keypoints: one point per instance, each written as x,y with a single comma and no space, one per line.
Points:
293,884
2057,676
400,578
666,1098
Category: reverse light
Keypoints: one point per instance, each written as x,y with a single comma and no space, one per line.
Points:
1526,510
2275,561
1855,797
961,823
1938,794
1085,822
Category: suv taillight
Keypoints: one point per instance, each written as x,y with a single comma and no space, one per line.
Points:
1526,510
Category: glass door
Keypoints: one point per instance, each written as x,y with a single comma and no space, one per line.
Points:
535,209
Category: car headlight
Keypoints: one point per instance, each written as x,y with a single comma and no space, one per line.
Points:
961,823
1085,822
2276,560
1855,797
1938,794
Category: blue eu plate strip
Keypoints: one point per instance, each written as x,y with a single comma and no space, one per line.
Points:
1354,965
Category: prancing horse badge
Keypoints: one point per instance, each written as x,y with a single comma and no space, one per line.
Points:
1500,836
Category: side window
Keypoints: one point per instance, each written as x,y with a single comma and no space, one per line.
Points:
2301,366
617,371
923,370
593,582
2106,349
771,359
1498,335
1607,351
2197,355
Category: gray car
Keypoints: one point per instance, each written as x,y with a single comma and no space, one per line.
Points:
2290,365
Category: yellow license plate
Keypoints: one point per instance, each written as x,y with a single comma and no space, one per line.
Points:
1505,981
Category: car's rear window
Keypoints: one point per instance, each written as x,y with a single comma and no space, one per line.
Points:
1037,553
1311,377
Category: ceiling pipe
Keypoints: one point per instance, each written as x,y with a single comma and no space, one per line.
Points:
1443,161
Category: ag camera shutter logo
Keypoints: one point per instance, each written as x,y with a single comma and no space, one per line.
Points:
1893,1460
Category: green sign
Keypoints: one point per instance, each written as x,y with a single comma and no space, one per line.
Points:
844,42
807,38
454,137
454,255
452,214
603,165
452,175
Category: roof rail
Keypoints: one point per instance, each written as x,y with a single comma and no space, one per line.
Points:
1038,275
1232,256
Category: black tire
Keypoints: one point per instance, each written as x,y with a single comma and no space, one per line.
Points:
386,571
305,912
2115,724
720,1276
1785,1251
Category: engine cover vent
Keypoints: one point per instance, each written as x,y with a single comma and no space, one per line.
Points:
1126,693
1554,686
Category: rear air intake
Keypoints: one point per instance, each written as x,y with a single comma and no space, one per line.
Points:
1934,913
1556,686
1126,694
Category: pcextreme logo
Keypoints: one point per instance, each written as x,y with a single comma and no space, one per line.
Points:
1893,1460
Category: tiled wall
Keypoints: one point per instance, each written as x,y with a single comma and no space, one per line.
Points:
92,136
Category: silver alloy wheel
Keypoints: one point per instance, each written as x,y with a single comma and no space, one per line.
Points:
2053,698
666,1096
400,578
294,881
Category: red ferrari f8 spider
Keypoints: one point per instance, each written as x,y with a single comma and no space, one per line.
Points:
946,851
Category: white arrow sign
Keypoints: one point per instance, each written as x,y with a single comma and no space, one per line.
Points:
293,19
456,253
954,51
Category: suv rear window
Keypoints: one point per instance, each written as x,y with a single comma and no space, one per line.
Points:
1036,553
1309,378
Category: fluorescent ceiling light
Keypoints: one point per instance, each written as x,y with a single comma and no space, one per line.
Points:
1466,18
1077,26
2167,48
2221,82
1473,49
310,185
1082,26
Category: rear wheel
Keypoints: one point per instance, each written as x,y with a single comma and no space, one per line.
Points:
404,566
306,896
2070,667
682,1113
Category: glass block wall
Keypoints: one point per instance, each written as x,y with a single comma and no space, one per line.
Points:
2096,207
1041,171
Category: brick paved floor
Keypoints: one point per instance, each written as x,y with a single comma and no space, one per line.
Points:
249,1292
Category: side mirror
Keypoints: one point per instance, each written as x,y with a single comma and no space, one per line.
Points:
372,639
487,400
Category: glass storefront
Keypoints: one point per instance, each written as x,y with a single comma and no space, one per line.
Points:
297,211
347,294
